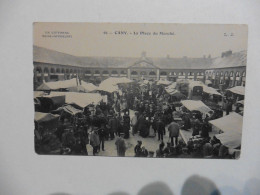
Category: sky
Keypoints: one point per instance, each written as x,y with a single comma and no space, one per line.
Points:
130,40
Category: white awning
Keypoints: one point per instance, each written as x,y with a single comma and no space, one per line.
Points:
231,125
80,99
240,90
196,105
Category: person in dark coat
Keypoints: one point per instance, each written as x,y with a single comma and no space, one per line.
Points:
140,123
160,127
102,135
205,128
120,146
174,131
138,149
144,152
229,107
134,121
196,127
126,125
94,141
146,128
187,123
113,124
160,151
77,148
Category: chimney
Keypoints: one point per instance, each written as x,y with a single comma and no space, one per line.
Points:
168,56
209,56
204,56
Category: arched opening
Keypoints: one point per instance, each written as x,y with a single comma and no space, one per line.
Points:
181,75
114,73
152,73
134,73
52,71
38,74
200,76
105,73
163,73
46,74
238,81
172,76
191,75
231,77
57,70
226,79
123,73
244,78
221,80
97,73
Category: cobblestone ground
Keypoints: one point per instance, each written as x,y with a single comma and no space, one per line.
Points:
150,143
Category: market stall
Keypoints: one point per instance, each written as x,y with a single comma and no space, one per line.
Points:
46,121
57,85
239,90
163,82
196,105
88,87
47,102
231,126
80,99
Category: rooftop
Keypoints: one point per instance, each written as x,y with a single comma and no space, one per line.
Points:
44,55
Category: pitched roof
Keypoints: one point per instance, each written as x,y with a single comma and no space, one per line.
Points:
54,57
234,60
182,63
44,55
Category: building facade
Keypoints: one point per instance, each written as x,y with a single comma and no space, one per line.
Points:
226,71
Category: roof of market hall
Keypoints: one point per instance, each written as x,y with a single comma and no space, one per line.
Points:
44,55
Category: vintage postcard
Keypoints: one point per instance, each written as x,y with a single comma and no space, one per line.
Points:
139,90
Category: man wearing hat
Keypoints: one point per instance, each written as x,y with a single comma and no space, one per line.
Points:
174,131
102,135
160,127
126,125
120,146
138,150
94,140
134,122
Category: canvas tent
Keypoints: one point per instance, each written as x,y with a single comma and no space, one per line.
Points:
56,85
44,117
80,99
88,87
208,82
231,125
110,84
48,102
163,82
194,105
46,120
175,93
70,109
210,90
240,90
107,88
115,80
171,86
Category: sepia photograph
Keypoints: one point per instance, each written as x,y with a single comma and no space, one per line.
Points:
139,90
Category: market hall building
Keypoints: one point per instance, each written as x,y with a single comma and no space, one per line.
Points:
226,71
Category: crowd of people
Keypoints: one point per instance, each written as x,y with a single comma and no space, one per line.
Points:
153,117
